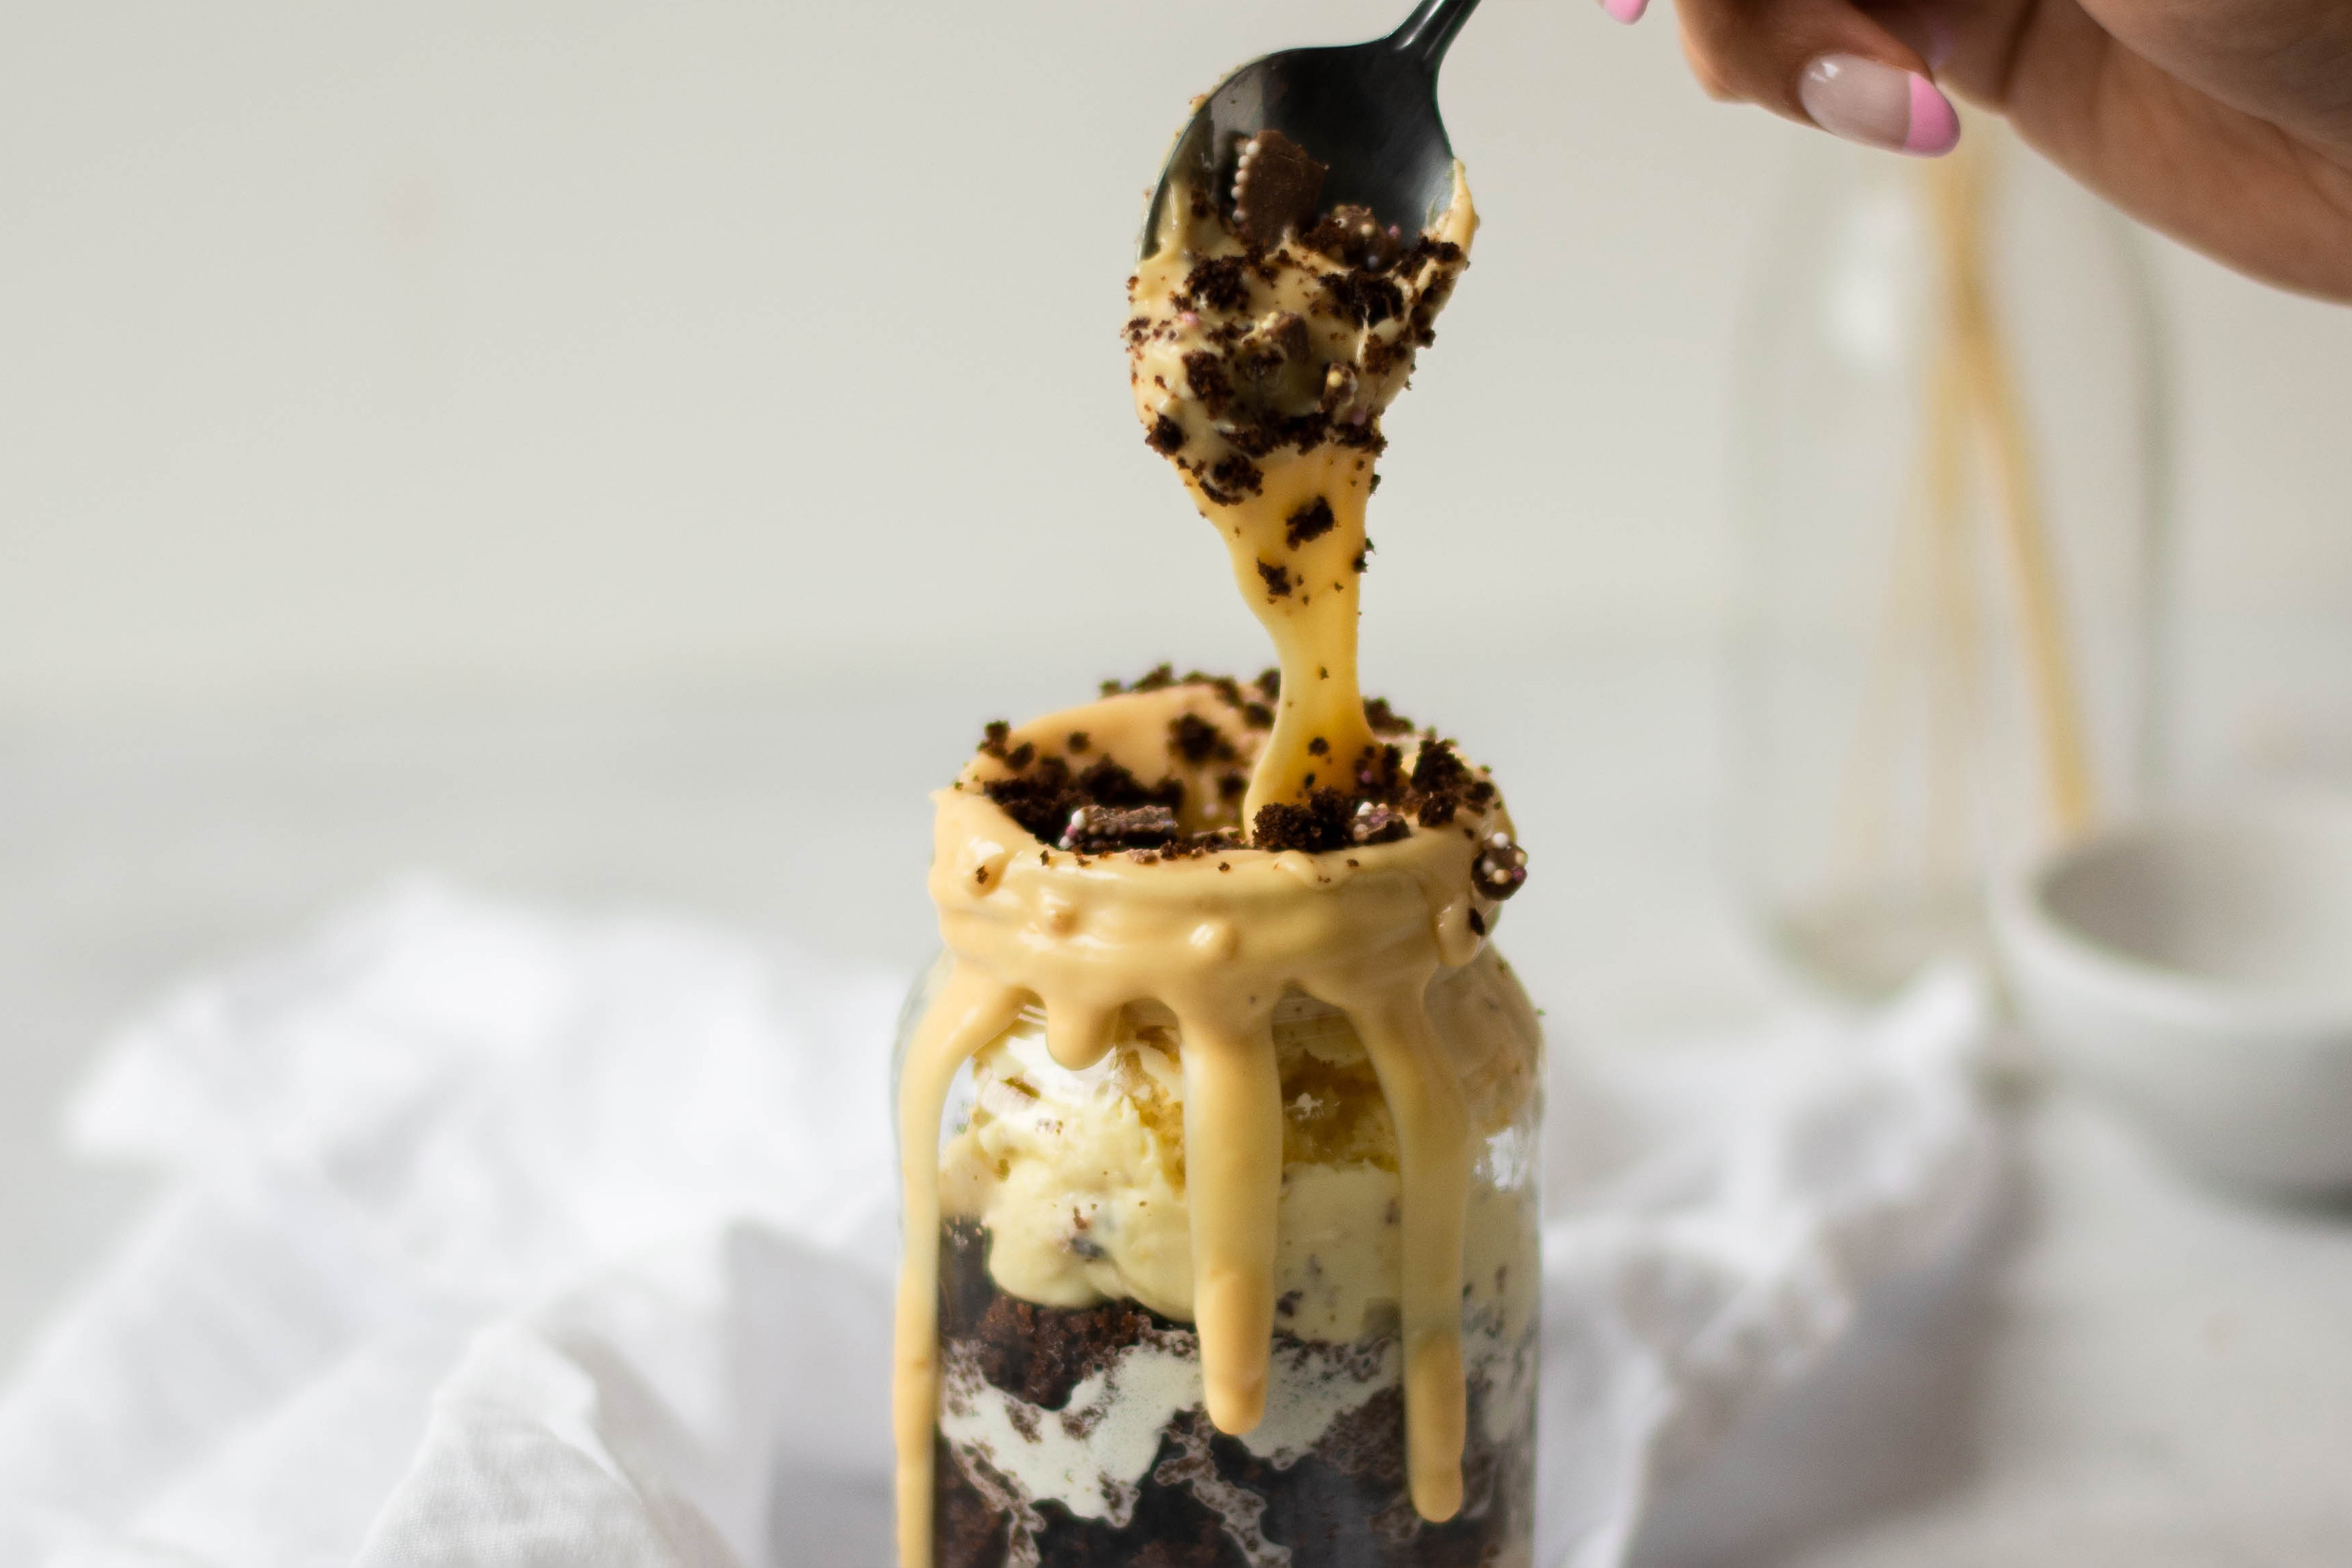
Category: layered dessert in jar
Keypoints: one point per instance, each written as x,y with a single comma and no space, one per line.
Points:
1218,1114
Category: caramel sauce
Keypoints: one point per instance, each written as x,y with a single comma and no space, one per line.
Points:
1219,939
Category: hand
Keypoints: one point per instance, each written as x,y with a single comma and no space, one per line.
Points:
2225,123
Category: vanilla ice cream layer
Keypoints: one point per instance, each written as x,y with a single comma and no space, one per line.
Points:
1078,1177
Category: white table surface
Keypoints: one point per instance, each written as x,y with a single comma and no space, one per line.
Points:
2124,1371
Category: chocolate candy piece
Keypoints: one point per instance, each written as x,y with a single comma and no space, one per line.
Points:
1501,868
1276,185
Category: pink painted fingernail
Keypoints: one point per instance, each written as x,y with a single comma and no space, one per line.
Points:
1878,106
1626,11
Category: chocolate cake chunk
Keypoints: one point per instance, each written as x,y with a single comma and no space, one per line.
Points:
1206,1500
1317,824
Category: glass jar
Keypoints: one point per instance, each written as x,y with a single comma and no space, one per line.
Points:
1951,485
1071,1424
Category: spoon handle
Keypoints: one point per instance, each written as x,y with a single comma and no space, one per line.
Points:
1424,34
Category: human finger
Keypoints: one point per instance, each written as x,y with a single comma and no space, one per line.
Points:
1848,70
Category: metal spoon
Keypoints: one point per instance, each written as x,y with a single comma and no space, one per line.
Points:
1368,110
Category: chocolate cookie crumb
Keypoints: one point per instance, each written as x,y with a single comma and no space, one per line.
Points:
1231,479
1196,740
1218,284
1277,579
1165,437
1098,829
1310,521
1042,799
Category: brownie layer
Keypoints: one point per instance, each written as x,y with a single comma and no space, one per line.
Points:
1204,1499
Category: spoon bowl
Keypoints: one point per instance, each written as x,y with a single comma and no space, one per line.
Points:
1369,111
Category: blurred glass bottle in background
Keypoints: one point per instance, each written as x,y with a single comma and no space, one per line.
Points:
1951,492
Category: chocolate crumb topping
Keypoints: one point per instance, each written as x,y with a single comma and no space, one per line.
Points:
1231,478
1042,799
1216,284
1196,740
1101,808
1437,770
1206,373
1310,521
1364,298
1278,578
1165,437
1319,824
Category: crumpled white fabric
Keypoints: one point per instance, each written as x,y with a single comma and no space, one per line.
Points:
495,1236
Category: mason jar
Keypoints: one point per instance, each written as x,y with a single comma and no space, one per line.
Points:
1071,1428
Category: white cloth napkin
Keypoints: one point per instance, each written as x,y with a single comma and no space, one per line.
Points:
493,1236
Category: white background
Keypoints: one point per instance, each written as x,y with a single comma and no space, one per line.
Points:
494,435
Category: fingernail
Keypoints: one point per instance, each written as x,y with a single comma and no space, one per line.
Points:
1626,11
1923,30
1878,106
